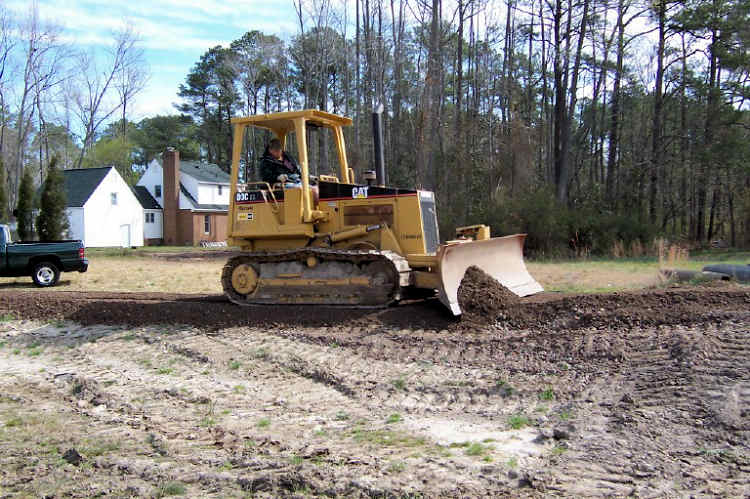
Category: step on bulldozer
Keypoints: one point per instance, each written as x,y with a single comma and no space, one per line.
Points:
332,241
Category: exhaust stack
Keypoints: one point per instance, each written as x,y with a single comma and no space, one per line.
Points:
377,131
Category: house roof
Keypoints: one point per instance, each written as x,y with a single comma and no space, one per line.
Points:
204,172
202,207
81,183
145,198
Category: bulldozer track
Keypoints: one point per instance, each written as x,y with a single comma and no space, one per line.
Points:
344,296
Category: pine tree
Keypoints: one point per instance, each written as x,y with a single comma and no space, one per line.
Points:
25,205
52,222
3,194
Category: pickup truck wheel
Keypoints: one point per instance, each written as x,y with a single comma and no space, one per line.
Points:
45,274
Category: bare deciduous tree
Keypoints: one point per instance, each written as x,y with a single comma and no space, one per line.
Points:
104,87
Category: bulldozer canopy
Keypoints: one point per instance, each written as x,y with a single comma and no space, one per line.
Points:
283,123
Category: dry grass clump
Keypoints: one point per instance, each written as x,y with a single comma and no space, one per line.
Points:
129,274
671,255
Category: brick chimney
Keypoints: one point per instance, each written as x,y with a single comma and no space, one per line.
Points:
171,188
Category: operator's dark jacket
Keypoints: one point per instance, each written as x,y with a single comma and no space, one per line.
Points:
271,168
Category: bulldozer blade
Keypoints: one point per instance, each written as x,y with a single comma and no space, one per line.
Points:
499,257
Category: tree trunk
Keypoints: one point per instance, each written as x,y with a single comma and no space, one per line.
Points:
656,132
708,137
425,173
614,130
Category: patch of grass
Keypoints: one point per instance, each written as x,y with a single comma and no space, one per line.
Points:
146,363
387,438
234,365
171,489
393,418
165,370
7,317
341,416
512,462
565,415
475,449
558,450
488,440
320,433
34,352
16,351
399,383
238,389
518,421
3,343
261,353
99,448
396,466
488,459
77,389
226,466
541,408
129,337
296,460
14,422
547,394
208,422
264,423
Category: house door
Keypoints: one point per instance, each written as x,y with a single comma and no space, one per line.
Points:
125,236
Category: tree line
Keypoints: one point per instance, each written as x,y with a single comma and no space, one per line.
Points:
585,124
56,99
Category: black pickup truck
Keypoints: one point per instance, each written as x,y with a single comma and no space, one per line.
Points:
42,261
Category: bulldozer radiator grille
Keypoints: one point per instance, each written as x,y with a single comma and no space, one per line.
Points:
429,221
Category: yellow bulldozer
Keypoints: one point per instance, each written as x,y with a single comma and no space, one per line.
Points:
333,241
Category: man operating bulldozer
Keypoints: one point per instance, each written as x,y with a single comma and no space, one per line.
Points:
278,166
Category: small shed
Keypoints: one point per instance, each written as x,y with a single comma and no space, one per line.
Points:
102,209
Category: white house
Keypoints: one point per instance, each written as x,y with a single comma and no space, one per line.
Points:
153,216
102,209
193,196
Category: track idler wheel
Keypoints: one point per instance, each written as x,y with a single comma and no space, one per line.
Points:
244,279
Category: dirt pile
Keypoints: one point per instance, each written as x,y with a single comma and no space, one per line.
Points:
482,299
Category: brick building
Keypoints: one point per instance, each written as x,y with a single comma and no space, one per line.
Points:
194,197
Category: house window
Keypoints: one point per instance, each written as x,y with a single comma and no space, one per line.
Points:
157,191
219,190
207,224
113,196
149,218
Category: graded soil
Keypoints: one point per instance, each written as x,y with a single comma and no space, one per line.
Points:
641,394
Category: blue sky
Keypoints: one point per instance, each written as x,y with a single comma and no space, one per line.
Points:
174,33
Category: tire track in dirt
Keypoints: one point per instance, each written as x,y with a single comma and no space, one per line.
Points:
661,426
159,408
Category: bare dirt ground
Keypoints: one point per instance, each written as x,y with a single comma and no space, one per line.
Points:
642,394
